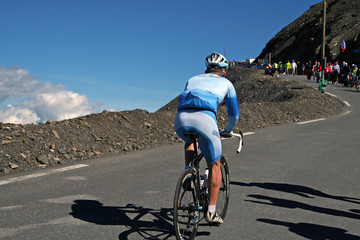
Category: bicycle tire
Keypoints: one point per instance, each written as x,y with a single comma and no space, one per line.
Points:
224,193
186,213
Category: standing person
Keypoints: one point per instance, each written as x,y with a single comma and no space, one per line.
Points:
336,72
288,67
345,71
308,69
313,70
280,70
354,78
302,71
276,67
197,112
293,67
328,71
317,70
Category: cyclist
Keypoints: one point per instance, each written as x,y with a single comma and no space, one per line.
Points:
197,112
354,78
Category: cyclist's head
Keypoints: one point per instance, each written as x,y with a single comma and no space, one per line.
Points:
216,62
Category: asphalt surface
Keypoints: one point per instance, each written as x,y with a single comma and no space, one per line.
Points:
294,181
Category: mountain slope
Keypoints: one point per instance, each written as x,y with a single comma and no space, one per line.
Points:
301,40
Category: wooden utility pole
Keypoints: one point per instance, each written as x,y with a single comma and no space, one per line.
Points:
323,42
269,58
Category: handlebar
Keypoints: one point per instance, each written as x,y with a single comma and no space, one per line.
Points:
239,135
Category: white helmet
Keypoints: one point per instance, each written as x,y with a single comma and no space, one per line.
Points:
216,60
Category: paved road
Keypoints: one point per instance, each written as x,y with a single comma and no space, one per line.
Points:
295,181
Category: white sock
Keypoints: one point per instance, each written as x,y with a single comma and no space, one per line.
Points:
212,208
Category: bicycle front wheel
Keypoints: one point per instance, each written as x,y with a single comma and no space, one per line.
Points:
224,193
186,212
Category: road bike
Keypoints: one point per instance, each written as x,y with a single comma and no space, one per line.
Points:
192,195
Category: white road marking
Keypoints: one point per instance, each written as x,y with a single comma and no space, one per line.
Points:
76,178
347,103
30,176
333,95
249,133
7,208
311,121
69,199
68,220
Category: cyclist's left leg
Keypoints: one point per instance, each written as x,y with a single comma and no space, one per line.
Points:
213,158
214,182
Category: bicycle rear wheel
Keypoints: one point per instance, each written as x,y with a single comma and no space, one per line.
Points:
186,213
224,193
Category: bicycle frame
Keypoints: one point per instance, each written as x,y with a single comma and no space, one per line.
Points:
195,163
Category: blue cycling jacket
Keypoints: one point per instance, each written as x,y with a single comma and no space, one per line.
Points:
206,92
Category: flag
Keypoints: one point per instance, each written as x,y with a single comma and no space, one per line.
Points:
343,46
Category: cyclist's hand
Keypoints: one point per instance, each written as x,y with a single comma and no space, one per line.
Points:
226,134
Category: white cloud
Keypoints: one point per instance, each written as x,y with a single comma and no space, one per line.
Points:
38,101
17,115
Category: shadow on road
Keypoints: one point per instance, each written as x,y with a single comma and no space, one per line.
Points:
296,189
141,222
158,223
278,202
355,210
309,231
313,231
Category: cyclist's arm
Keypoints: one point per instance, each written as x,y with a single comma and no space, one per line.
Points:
232,108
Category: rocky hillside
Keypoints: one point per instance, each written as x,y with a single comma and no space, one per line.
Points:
301,40
263,101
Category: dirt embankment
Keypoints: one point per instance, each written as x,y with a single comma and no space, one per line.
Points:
263,101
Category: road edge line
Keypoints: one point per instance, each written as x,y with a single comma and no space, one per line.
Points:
31,176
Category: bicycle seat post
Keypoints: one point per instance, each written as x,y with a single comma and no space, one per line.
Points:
194,137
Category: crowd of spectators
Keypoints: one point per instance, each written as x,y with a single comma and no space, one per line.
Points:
335,73
246,64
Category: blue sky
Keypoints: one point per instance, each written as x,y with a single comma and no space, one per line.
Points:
122,55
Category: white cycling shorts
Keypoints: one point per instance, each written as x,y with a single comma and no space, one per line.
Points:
205,126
